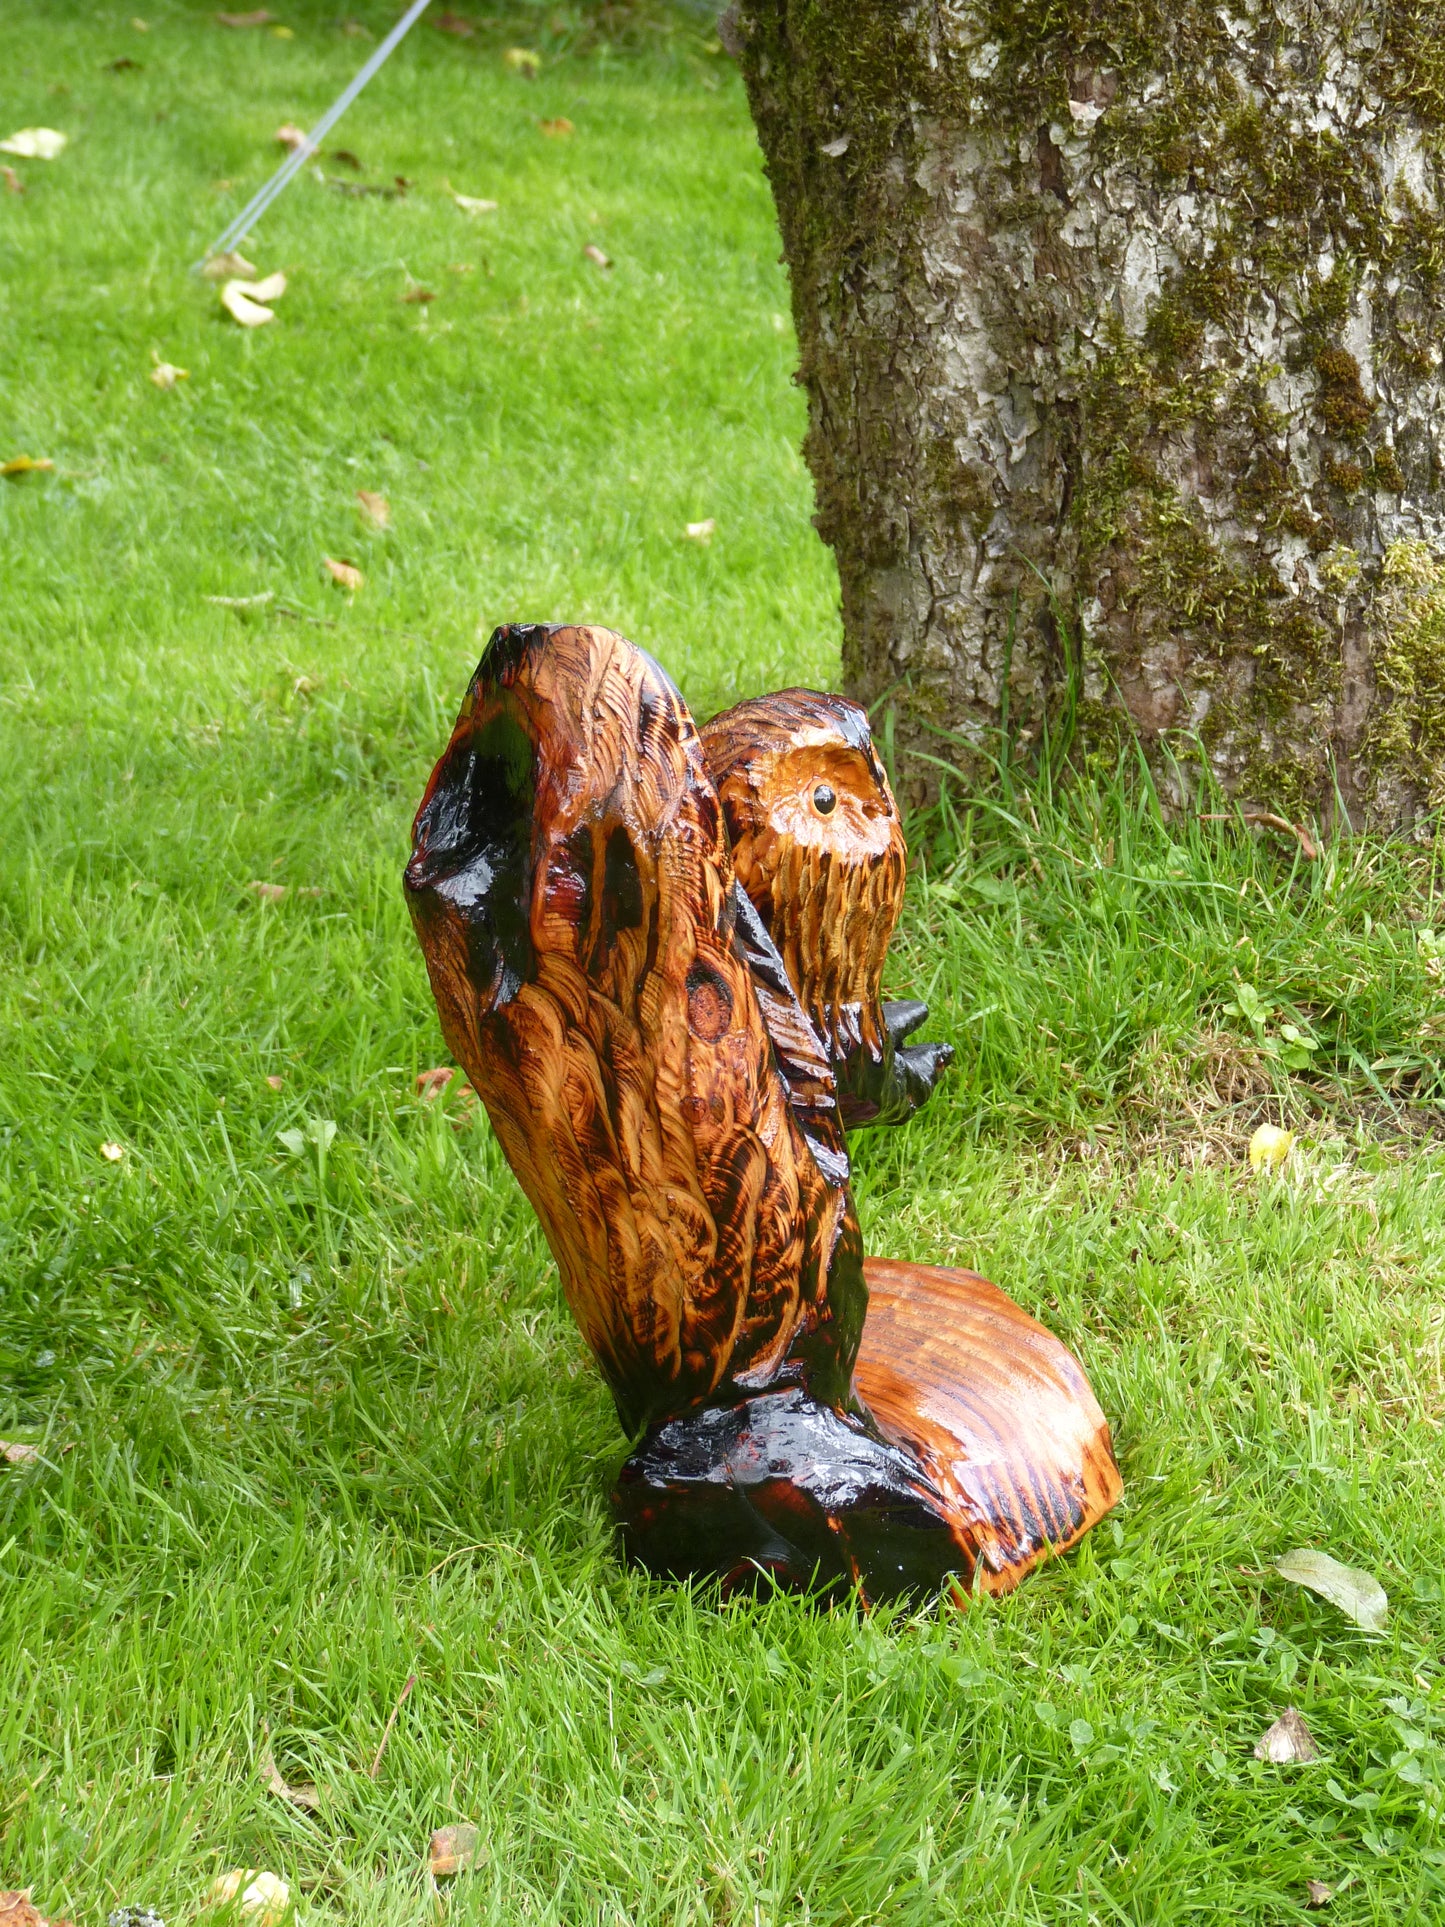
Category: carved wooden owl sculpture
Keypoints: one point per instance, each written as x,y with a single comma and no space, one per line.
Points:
658,954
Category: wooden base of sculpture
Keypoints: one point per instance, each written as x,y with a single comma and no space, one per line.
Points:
979,1451
658,954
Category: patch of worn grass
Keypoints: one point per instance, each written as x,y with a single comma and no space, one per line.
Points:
314,1421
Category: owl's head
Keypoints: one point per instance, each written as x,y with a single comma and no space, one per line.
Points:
818,846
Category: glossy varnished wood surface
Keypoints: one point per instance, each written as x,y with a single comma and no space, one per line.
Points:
658,956
995,1410
827,882
571,885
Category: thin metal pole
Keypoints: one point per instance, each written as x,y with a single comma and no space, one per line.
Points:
298,157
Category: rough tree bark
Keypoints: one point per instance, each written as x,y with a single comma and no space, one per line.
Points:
1121,327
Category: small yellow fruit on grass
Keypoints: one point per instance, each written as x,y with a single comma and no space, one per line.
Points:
1269,1147
263,1897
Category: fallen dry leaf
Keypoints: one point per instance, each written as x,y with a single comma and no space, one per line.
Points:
701,531
454,23
270,289
344,574
291,136
469,204
348,159
453,1850
15,1452
267,892
35,144
375,508
1359,1595
258,17
595,254
241,308
112,1152
276,1083
264,1897
1269,1147
16,1911
25,465
13,182
1288,1741
419,297
430,1085
225,267
299,1796
557,129
1317,1894
125,65
522,60
165,374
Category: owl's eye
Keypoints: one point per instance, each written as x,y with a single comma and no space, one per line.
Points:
824,801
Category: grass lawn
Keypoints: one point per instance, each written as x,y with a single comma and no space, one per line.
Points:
314,1421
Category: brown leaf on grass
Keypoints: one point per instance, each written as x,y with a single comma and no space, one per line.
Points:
125,65
276,1083
299,1796
226,267
267,892
1317,1894
375,508
523,61
557,129
24,465
348,159
419,297
17,1911
15,1452
258,17
344,574
453,1850
13,182
1288,1742
290,136
454,23
430,1085
596,256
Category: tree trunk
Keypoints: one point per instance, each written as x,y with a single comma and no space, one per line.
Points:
1121,328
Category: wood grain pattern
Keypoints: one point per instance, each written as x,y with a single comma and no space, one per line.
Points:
827,881
994,1409
661,1034
818,847
572,888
